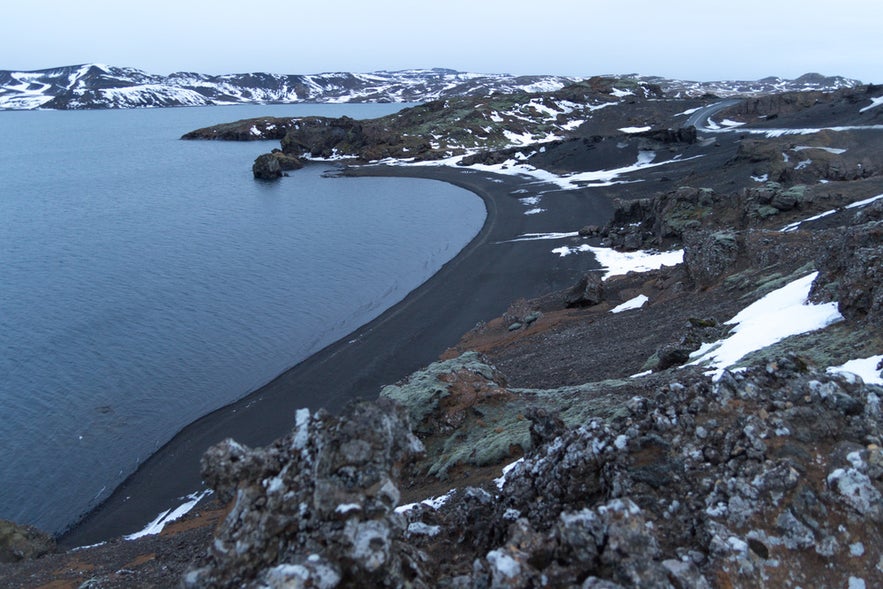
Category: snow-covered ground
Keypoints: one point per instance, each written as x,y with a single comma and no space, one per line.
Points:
780,314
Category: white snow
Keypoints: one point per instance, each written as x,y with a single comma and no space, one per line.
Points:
169,515
689,111
856,583
855,205
301,431
762,178
534,211
834,150
345,508
543,236
780,314
433,502
802,164
503,563
513,167
621,93
501,480
635,303
875,102
866,368
634,129
618,263
422,529
729,123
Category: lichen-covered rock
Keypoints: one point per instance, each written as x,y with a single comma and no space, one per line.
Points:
317,507
740,482
23,542
764,476
710,255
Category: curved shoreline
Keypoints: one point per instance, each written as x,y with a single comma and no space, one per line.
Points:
477,284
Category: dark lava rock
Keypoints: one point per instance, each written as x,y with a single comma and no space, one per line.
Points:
316,508
588,291
709,255
851,272
266,167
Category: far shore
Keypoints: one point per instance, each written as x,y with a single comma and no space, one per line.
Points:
477,285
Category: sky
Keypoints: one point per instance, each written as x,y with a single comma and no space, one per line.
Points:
687,39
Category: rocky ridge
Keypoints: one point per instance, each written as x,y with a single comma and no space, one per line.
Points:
98,86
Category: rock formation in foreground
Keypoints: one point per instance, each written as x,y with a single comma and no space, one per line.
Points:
763,477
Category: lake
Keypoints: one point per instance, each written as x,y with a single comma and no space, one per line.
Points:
146,281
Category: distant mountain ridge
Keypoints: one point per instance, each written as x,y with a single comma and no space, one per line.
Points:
97,86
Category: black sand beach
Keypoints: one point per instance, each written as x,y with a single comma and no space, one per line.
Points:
477,285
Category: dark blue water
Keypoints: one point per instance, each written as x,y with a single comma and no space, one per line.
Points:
145,281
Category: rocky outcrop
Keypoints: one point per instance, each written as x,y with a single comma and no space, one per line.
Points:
266,167
23,542
762,477
852,268
270,166
316,509
587,292
709,256
258,129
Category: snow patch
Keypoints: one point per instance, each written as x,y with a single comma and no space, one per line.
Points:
634,129
501,480
635,303
433,502
866,368
875,102
834,150
855,205
780,314
619,263
169,515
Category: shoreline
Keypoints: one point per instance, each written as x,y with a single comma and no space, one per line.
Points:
477,284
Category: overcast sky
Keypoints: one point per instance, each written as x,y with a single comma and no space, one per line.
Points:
688,39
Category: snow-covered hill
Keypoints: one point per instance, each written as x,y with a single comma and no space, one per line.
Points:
95,86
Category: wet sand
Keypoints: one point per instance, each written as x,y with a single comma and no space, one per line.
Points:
476,285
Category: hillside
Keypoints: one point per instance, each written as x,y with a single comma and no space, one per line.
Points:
686,414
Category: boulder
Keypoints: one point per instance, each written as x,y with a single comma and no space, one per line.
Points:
315,509
589,291
709,255
266,167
